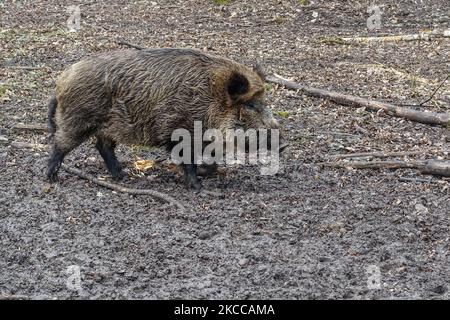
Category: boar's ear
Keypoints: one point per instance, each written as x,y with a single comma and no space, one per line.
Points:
237,85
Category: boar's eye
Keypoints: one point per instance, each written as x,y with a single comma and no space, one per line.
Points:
252,106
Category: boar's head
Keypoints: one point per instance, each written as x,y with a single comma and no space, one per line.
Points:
244,105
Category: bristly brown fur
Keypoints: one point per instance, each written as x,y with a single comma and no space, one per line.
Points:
142,96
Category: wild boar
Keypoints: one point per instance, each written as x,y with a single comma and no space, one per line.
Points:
142,96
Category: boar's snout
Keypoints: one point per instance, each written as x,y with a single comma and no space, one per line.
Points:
257,115
269,120
270,123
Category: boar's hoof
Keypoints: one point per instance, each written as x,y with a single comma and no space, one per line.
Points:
190,177
118,176
52,177
193,183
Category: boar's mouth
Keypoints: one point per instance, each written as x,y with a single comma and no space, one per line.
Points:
256,115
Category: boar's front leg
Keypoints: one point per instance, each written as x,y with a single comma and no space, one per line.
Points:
190,176
106,148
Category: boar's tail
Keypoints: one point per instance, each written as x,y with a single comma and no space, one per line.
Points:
51,124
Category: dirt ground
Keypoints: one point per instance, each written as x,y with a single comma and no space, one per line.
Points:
307,232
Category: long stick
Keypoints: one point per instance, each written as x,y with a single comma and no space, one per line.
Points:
382,154
433,167
30,126
348,100
404,37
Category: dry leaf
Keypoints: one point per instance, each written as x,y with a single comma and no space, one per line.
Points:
144,165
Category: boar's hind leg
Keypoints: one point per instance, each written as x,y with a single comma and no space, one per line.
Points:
64,143
106,148
54,163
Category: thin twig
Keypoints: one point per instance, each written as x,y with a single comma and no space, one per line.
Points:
30,68
123,189
421,104
128,44
212,193
369,164
416,180
434,92
156,194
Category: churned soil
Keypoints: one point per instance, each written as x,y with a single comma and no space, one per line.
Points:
307,232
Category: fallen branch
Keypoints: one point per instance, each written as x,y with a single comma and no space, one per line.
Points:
123,189
433,167
427,36
348,100
415,180
30,68
30,126
23,145
379,154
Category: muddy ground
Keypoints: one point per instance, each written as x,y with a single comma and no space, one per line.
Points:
307,232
